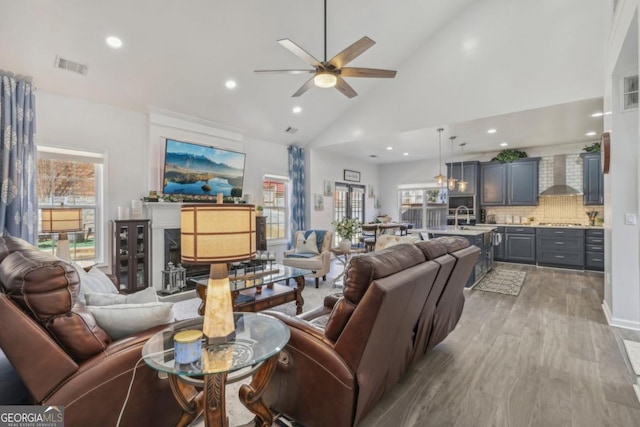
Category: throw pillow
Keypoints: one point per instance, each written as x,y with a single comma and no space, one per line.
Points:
307,245
121,320
140,297
96,281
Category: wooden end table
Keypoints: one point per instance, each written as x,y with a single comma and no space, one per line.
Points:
257,342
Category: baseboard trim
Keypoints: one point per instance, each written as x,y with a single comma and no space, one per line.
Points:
607,311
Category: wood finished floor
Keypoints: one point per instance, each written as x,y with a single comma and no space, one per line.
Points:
544,358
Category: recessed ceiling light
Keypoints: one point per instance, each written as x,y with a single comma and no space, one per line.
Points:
607,113
491,131
405,154
591,133
230,84
597,115
297,109
389,148
504,144
114,42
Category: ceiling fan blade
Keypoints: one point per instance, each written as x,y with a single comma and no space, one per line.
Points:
305,87
285,71
367,72
344,87
300,53
351,52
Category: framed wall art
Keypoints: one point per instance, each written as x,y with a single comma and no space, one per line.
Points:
327,188
318,202
352,176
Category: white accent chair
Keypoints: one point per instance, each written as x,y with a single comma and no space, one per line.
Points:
386,240
319,264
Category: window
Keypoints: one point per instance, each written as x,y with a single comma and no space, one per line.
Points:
72,178
422,206
274,200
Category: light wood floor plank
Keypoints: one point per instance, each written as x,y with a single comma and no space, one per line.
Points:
544,358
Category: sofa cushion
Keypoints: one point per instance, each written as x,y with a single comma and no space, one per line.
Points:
140,297
365,268
388,240
454,243
121,320
340,315
47,288
432,249
9,244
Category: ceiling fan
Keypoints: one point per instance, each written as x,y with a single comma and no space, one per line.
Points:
330,73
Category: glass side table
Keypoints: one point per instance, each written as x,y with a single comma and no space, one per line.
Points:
257,343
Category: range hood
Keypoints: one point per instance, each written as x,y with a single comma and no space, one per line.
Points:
559,185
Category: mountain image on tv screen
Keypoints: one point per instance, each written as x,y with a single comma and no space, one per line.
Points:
196,170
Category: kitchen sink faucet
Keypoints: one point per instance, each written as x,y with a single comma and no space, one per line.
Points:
455,223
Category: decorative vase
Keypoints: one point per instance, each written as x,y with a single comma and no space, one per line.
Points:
344,245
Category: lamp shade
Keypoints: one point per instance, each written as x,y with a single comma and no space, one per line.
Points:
60,220
214,233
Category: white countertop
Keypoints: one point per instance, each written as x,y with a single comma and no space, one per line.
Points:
579,227
463,230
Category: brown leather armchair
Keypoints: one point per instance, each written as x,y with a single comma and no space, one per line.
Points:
343,357
63,357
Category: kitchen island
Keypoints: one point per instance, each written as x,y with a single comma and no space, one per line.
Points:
480,236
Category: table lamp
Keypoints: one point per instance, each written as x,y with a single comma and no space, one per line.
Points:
61,220
217,234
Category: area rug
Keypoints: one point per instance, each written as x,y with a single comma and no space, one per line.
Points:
502,281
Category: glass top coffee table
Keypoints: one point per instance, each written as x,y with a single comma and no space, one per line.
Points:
257,343
260,290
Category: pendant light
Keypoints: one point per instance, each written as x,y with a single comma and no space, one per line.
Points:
451,181
462,184
440,178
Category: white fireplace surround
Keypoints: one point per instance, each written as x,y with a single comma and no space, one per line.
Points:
162,216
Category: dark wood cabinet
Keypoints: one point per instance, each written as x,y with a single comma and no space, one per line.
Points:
130,260
261,233
509,184
520,245
470,170
594,249
592,179
560,247
493,184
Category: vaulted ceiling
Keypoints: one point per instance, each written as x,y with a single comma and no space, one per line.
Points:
462,64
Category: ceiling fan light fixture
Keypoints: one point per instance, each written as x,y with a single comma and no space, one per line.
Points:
325,80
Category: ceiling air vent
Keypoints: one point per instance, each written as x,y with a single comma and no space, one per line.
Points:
76,67
630,93
291,130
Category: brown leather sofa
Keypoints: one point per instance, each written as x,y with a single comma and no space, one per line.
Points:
343,357
63,357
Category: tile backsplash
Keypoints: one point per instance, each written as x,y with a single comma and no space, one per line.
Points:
553,209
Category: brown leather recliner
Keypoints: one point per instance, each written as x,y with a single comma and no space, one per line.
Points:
344,356
63,357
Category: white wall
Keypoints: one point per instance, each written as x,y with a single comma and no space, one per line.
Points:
322,165
622,184
133,145
120,134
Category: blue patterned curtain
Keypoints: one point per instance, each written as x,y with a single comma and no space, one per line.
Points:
18,197
296,175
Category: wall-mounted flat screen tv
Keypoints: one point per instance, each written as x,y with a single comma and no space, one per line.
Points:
197,170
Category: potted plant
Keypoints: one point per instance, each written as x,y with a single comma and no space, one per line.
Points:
508,155
346,229
259,210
